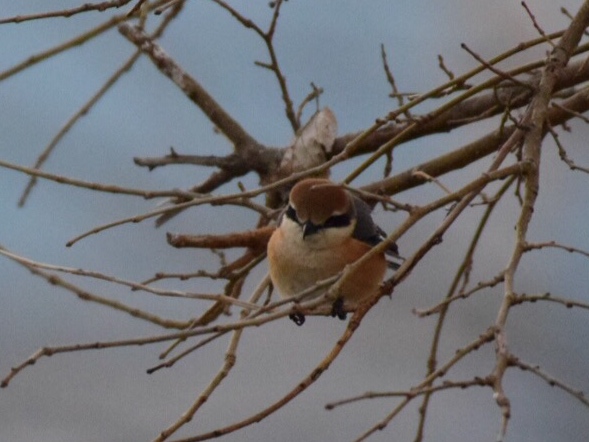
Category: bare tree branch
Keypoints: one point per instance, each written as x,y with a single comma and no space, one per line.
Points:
102,6
191,88
539,115
472,152
527,102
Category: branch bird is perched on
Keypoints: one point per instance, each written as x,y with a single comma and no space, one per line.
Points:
323,229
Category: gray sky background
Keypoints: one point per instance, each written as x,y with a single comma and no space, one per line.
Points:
106,395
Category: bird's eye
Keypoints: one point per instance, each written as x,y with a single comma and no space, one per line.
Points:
338,221
291,213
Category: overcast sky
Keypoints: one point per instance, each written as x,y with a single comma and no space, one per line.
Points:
106,395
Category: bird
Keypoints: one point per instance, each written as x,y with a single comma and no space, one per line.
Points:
323,229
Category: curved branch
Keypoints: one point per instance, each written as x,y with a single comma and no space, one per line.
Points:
191,88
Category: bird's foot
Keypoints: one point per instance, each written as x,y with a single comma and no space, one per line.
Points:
297,318
337,309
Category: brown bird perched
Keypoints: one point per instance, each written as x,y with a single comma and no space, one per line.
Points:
323,229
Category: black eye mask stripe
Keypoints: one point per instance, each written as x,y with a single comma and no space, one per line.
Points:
333,221
291,213
338,221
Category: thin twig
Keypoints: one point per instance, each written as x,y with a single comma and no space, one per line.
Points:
300,387
536,25
313,95
392,82
493,69
444,69
553,244
481,285
568,303
345,154
73,120
562,153
413,392
550,380
230,359
107,188
31,265
49,351
538,113
578,115
170,362
443,307
101,7
191,88
268,38
85,295
425,176
483,339
85,109
76,41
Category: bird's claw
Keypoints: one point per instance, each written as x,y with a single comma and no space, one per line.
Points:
337,309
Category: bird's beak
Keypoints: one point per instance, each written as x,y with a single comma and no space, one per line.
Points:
309,229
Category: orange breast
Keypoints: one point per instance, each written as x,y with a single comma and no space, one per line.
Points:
294,268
